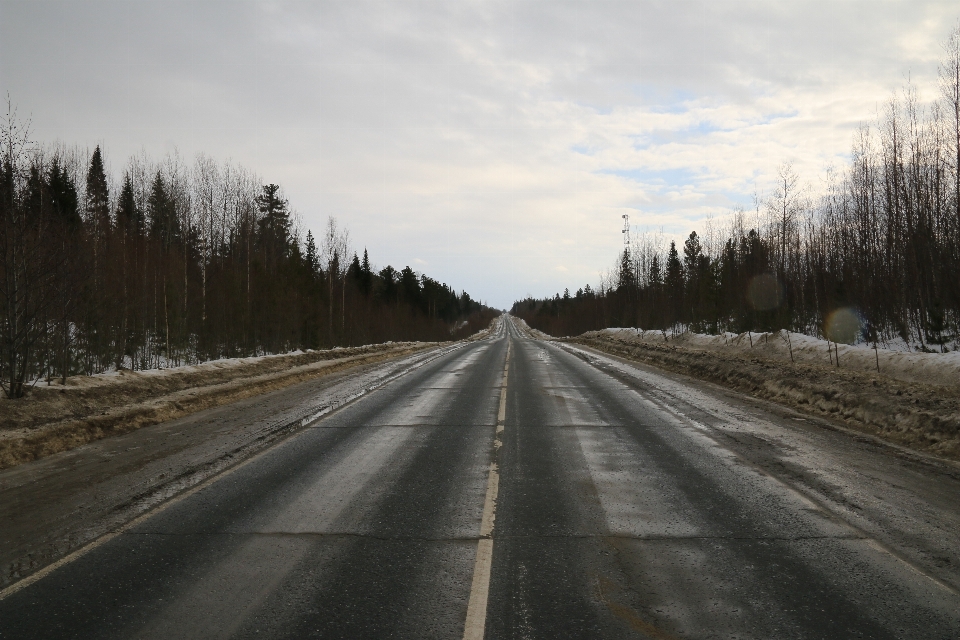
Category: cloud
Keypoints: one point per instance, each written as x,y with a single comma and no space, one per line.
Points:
494,140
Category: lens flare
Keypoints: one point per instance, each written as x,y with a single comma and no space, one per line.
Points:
764,292
843,325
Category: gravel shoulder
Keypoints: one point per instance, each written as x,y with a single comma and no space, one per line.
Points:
56,418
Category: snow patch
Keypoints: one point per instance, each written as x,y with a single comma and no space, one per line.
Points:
894,360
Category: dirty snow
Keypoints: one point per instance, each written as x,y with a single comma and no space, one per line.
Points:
925,368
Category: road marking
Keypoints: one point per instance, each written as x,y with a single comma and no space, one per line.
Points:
107,537
480,588
810,500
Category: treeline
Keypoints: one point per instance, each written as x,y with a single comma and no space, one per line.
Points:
180,264
882,241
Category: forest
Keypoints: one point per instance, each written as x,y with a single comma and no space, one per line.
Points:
873,256
180,263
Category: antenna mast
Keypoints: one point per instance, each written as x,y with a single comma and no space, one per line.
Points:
626,230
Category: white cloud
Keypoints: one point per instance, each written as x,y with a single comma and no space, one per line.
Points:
494,141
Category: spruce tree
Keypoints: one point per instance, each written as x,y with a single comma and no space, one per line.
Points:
313,260
674,284
366,277
274,222
63,195
35,194
410,286
692,251
354,271
674,269
129,217
388,280
626,279
164,224
98,196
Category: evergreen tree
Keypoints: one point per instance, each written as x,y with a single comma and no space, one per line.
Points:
696,267
692,252
354,272
388,284
36,194
63,195
164,223
98,196
129,216
656,276
274,222
313,260
366,277
410,286
674,268
674,285
626,280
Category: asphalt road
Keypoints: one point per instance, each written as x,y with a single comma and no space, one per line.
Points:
515,488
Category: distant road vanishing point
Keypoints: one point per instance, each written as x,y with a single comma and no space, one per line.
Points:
518,488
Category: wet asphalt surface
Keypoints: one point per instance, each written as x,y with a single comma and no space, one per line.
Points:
620,515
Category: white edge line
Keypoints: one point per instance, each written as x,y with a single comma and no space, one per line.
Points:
160,508
807,498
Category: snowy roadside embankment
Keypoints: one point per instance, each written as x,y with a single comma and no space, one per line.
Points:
914,400
908,366
56,418
536,334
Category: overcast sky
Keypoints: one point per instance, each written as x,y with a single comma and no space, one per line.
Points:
492,145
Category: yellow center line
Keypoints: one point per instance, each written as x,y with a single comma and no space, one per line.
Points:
480,588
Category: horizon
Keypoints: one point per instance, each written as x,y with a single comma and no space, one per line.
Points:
492,147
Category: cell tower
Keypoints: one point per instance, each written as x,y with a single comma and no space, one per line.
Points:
626,230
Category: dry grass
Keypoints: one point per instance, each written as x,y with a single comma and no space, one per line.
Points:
920,415
58,418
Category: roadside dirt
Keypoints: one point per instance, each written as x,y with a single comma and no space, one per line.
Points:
56,418
921,411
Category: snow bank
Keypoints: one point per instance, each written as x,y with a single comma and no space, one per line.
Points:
942,369
536,334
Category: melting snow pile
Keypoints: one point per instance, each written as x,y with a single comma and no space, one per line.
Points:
925,368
